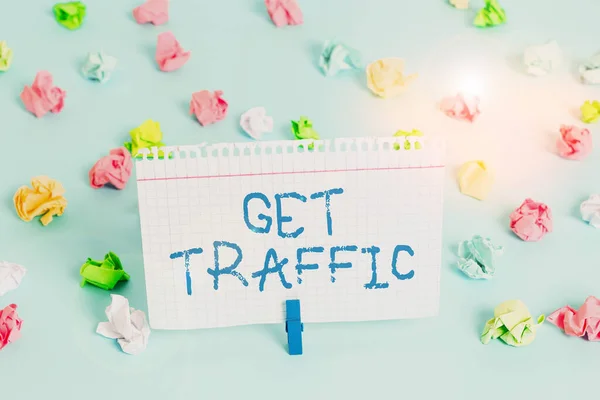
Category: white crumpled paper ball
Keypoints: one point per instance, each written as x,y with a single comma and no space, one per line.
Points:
255,122
543,59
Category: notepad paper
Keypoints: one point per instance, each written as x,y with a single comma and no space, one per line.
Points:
352,228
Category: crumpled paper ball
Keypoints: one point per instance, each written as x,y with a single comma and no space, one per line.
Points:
126,324
98,67
461,107
574,143
512,323
145,136
303,129
6,56
45,198
70,15
490,15
478,257
590,210
531,220
208,107
284,12
385,77
255,122
114,169
590,111
169,55
155,12
42,97
10,325
590,70
475,179
11,275
584,322
337,57
104,274
543,59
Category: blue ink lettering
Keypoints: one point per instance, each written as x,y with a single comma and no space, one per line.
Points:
373,250
218,271
397,250
301,266
333,265
286,218
261,216
272,254
186,262
327,194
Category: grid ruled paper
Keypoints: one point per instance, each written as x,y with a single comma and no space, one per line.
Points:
386,225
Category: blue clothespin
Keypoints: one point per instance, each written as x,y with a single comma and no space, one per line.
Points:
293,326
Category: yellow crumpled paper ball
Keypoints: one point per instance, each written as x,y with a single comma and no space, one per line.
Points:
145,136
385,77
475,179
45,198
512,323
590,111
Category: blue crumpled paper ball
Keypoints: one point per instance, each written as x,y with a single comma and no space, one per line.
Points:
98,67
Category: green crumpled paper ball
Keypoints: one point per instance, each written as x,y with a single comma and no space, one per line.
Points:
303,129
146,136
70,15
105,274
490,15
512,323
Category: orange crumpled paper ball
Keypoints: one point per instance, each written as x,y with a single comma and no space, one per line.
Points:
386,78
45,199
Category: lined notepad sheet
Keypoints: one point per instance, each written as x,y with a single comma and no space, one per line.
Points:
351,227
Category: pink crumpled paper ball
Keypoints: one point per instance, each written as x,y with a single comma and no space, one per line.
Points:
169,53
153,11
10,325
531,221
114,169
461,107
208,107
574,143
584,322
284,12
41,97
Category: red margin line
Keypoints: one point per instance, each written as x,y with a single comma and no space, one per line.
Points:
284,173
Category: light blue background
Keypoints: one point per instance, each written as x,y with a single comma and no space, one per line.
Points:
235,48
